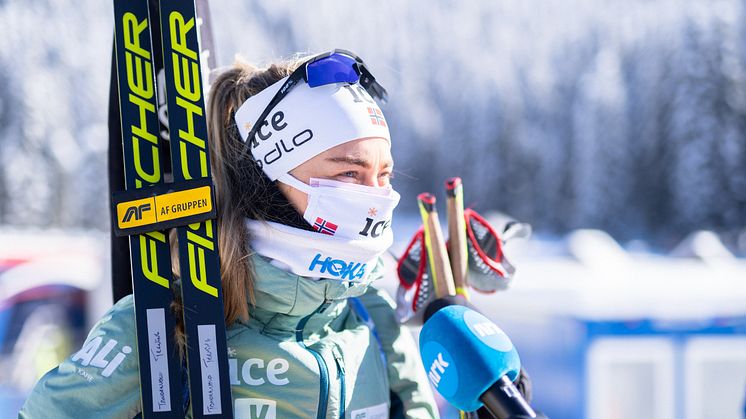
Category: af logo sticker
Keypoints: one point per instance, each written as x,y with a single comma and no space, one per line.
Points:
136,213
164,205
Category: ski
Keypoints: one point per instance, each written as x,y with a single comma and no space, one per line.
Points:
207,352
160,368
143,210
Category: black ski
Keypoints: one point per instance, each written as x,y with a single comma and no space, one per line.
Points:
207,352
160,369
121,278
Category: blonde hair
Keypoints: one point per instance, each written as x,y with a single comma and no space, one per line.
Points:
231,169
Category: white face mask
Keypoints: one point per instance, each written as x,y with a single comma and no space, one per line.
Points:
348,210
355,226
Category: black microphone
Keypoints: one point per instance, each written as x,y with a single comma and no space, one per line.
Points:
504,401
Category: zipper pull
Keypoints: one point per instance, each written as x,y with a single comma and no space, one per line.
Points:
323,306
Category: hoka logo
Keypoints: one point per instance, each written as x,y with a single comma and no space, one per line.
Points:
437,369
338,268
93,354
135,211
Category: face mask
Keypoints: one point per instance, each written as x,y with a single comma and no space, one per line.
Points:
348,210
353,228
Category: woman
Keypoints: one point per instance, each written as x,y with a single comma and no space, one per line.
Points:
302,166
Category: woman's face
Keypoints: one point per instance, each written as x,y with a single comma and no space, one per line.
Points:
365,162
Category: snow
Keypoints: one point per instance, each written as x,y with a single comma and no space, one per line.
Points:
588,275
602,280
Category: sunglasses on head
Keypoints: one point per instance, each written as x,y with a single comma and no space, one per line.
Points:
337,66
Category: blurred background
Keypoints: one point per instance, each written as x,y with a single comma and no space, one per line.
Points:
616,128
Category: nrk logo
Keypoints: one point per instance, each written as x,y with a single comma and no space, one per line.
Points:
325,227
92,354
135,211
376,116
442,371
338,268
437,368
489,333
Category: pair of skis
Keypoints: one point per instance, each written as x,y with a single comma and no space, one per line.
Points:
150,206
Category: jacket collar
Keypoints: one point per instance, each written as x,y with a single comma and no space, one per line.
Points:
283,298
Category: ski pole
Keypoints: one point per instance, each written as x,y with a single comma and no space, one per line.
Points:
457,234
459,257
440,266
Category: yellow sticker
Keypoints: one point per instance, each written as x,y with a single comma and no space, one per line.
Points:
166,207
136,213
183,203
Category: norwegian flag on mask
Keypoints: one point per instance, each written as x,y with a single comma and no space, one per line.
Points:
324,227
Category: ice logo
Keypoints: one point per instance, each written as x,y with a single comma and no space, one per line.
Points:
338,268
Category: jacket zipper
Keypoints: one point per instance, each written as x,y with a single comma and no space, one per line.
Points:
341,369
323,368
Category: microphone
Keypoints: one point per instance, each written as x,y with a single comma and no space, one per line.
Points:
472,362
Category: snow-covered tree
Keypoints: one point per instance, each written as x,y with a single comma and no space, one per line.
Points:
628,115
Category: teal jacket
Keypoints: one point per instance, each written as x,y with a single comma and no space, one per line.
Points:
334,370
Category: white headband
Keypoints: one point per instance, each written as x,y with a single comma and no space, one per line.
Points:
307,122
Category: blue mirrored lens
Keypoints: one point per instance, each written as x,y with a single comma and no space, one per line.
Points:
336,68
